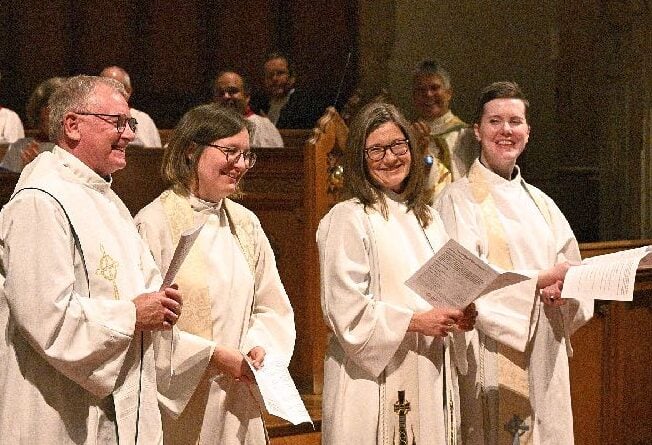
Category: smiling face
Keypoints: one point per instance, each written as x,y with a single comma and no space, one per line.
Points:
217,178
390,172
95,140
503,133
431,98
278,80
229,91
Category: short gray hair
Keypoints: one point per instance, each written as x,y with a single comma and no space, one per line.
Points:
431,67
75,95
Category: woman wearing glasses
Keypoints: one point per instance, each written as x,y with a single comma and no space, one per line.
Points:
233,295
388,376
517,387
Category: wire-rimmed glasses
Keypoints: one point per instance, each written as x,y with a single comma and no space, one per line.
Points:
233,155
121,120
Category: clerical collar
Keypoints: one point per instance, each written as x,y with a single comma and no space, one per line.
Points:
203,206
516,173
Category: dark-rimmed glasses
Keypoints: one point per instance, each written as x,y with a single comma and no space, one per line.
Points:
121,120
233,155
377,152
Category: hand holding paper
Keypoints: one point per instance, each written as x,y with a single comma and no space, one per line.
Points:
606,277
454,277
279,394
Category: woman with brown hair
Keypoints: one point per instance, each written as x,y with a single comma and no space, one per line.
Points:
233,295
388,376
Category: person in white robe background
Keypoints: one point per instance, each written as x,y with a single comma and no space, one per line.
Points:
23,151
388,347
232,290
231,90
80,296
11,127
450,141
517,389
148,135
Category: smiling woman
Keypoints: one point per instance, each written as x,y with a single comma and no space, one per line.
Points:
388,372
518,366
233,295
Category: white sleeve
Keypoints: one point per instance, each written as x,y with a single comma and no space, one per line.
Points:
86,339
368,329
272,321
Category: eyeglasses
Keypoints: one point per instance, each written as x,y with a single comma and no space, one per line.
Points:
121,122
377,152
233,155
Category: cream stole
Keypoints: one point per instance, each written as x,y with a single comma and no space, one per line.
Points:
192,274
402,371
510,375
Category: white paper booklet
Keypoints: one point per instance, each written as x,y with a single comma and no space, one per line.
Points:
455,277
606,277
186,241
278,391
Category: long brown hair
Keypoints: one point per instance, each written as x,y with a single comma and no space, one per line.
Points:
357,181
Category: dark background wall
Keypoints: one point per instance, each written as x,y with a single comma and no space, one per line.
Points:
172,49
586,66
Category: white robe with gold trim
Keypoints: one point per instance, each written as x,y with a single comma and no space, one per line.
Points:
242,311
72,369
514,316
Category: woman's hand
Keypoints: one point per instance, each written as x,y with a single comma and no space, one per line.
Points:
467,321
551,276
257,356
436,322
551,295
231,361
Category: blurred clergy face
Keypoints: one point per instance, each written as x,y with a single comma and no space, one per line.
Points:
229,91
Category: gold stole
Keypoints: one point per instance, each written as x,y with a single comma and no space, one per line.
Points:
445,155
191,278
512,375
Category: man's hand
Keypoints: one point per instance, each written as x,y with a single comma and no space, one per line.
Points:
28,153
422,133
158,311
257,356
435,322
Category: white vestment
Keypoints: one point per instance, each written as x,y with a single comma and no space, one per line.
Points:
265,134
11,127
72,368
364,262
536,236
146,134
234,298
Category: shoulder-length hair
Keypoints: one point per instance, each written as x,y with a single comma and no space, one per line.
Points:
357,180
200,126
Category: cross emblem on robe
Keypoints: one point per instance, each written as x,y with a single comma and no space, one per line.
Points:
516,427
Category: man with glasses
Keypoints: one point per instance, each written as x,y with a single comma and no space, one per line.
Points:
148,135
80,299
231,90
